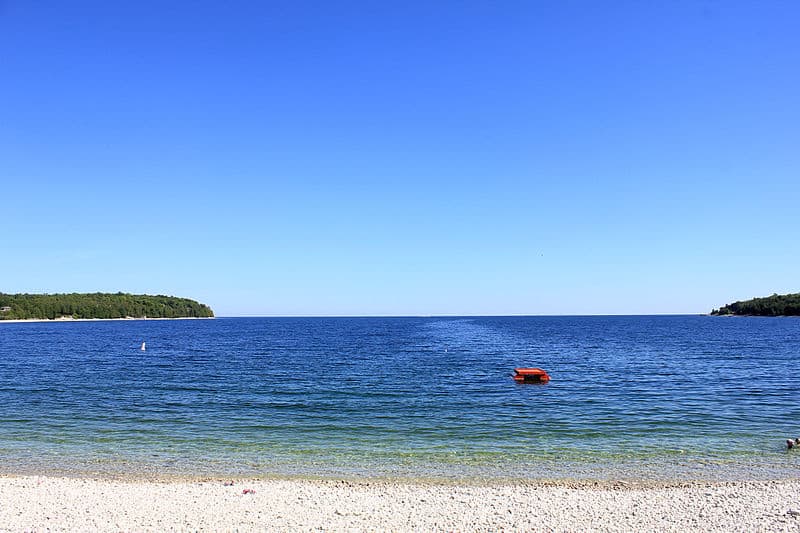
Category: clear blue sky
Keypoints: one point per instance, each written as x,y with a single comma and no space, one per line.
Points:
318,158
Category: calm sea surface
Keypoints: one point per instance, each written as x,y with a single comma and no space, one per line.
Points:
662,397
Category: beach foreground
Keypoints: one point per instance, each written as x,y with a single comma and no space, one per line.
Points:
51,503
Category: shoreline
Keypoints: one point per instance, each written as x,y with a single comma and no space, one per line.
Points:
59,503
609,474
127,319
172,465
608,483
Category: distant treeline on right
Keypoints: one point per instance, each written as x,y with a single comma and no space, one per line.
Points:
775,305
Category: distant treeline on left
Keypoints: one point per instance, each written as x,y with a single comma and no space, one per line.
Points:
98,305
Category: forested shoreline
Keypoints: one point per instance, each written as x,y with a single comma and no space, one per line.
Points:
775,305
98,305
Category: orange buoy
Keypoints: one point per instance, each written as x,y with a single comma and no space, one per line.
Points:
530,375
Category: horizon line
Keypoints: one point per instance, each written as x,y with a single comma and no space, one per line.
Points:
462,315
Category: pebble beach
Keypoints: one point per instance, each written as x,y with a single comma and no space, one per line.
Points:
80,504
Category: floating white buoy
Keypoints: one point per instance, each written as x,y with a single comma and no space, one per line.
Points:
143,348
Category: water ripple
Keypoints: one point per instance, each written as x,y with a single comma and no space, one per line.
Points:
411,396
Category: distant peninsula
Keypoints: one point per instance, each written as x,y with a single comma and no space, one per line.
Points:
775,305
79,306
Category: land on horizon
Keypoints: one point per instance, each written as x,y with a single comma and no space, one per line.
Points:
87,306
28,307
775,305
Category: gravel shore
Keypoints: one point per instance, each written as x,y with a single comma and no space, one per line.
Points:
73,504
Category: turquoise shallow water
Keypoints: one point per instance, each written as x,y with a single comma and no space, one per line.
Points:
667,397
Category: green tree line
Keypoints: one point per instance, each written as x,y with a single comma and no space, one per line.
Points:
99,305
775,305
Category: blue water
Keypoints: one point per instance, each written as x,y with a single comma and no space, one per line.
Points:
666,397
